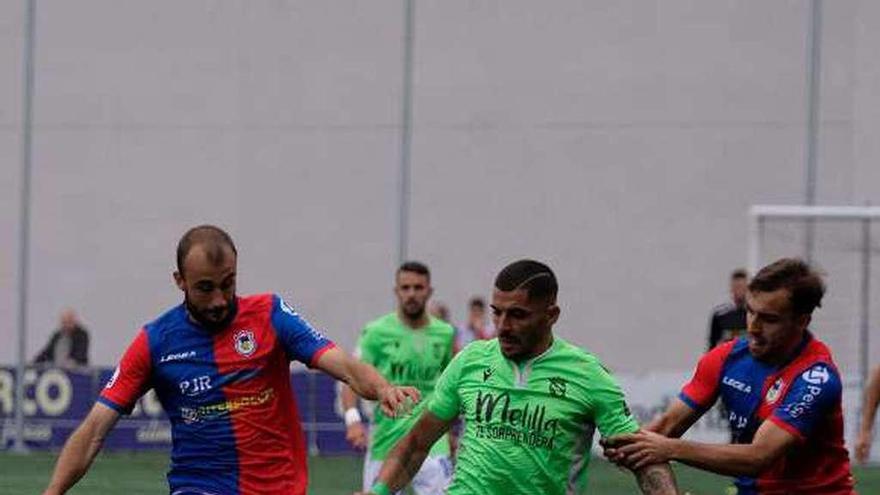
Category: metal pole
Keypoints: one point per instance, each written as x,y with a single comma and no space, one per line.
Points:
865,309
756,223
24,223
406,132
814,46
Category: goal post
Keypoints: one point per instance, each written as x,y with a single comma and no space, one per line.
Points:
759,215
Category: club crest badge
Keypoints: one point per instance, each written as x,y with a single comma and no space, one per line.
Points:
557,386
245,343
773,393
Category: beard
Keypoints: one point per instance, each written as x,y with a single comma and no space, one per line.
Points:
210,324
413,311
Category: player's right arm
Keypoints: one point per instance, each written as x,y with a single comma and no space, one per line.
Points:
125,387
81,448
697,396
869,412
676,420
355,431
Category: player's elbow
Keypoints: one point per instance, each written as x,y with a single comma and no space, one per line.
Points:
758,461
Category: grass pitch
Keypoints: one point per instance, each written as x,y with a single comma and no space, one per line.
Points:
144,473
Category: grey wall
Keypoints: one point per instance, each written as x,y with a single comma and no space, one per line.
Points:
622,141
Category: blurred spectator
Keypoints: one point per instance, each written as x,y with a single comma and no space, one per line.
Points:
440,311
729,319
870,401
69,345
477,326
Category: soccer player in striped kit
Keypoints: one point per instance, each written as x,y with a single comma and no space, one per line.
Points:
219,364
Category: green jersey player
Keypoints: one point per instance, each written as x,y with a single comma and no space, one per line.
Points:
406,346
530,403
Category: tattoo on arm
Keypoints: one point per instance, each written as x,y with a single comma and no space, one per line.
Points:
656,480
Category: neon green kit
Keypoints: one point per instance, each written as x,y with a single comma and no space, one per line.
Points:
528,427
405,356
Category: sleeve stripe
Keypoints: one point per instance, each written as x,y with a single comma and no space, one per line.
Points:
320,352
691,402
787,427
112,405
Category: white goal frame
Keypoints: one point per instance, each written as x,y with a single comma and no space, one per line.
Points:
866,214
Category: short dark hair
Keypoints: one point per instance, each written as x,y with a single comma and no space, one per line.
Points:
212,237
739,274
804,284
535,277
414,267
477,302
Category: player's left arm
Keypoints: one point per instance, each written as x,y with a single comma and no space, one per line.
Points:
302,342
365,381
613,416
656,479
869,412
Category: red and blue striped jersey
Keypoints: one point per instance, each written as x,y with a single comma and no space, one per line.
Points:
801,396
235,425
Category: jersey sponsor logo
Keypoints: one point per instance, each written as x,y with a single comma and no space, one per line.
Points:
557,386
286,307
112,380
213,411
411,372
195,386
738,423
773,393
487,373
805,402
497,419
245,343
177,356
737,385
817,375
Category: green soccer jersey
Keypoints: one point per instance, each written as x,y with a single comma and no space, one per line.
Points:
528,427
405,356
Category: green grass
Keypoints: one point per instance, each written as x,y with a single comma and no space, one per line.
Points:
142,474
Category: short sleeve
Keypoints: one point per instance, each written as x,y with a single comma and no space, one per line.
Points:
300,340
811,398
446,402
131,378
610,412
702,391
